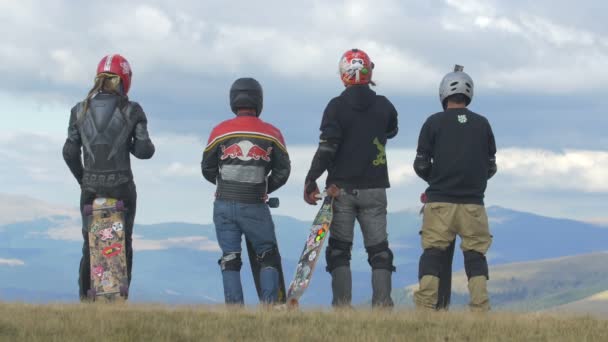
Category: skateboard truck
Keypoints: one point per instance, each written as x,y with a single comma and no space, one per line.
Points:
273,202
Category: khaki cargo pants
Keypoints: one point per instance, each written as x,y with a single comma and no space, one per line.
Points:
441,223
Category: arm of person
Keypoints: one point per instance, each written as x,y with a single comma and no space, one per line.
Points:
329,142
393,126
210,162
72,148
281,167
423,164
492,168
142,146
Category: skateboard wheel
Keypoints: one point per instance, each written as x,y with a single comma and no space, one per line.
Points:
293,303
273,202
120,206
88,210
91,294
124,291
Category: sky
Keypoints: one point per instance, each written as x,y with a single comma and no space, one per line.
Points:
540,70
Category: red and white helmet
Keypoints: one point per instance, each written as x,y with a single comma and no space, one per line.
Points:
118,65
356,67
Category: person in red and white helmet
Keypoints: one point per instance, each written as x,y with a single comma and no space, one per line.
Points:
106,128
354,131
356,68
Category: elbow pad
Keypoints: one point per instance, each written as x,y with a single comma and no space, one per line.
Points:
393,133
423,166
322,159
327,151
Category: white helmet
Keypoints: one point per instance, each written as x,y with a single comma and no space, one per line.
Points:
456,82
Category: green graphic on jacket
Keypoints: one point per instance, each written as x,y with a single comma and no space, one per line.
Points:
381,157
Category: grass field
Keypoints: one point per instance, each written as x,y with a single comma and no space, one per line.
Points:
121,322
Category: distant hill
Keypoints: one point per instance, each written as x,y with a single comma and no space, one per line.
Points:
535,285
18,208
177,262
596,305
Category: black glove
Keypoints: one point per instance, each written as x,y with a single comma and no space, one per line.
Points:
311,192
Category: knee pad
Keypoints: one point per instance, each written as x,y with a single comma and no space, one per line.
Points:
270,258
337,254
475,264
380,257
230,262
430,262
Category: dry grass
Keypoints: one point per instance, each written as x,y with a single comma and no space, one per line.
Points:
131,322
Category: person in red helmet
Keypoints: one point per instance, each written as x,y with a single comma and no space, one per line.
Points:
104,130
354,131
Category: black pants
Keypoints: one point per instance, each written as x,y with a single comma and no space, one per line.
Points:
126,193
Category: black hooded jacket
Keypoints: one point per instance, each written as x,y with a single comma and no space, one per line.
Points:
354,131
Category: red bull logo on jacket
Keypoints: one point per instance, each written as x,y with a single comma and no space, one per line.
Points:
245,150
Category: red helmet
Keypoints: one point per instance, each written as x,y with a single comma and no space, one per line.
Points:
356,67
118,65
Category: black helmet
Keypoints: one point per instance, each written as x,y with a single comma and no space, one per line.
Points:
246,93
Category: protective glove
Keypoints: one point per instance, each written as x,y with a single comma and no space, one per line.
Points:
311,192
333,191
423,197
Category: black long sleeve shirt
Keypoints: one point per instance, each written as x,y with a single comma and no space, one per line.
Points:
461,148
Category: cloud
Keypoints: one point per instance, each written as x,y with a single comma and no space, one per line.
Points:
555,34
574,170
180,170
11,262
548,56
152,23
171,188
530,26
400,163
600,221
67,231
200,243
553,60
19,208
216,43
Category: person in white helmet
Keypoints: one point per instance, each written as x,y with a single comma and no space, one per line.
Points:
456,157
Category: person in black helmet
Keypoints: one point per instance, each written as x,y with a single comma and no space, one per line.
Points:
456,157
247,159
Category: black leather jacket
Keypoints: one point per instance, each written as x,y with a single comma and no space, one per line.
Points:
246,158
112,128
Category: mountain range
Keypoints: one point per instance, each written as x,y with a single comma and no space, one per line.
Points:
175,262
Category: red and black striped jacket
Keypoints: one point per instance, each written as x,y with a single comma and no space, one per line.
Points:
247,159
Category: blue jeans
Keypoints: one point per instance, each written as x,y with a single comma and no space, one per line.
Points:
232,220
